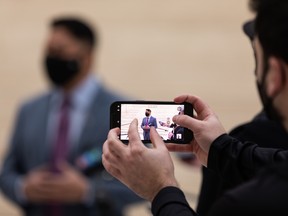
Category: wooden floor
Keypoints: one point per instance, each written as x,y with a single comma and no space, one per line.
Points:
153,50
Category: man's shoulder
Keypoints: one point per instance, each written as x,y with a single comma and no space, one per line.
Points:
263,131
111,94
259,123
34,101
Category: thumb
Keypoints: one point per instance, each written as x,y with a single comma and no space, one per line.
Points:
134,137
64,166
156,139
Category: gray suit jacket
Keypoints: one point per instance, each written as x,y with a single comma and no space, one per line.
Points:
28,149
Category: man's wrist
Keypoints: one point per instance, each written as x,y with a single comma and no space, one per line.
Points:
169,195
214,150
170,183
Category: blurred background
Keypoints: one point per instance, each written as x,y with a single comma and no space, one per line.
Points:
183,46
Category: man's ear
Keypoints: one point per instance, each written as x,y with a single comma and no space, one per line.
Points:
275,77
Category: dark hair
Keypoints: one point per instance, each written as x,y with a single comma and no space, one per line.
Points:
148,110
78,28
271,26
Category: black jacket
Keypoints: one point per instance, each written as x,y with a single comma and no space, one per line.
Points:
260,130
265,194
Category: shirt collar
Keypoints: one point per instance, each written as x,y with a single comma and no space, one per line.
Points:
81,96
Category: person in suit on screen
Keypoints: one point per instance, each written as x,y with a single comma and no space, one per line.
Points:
147,122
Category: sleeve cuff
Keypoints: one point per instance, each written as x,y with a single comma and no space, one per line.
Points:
19,191
166,196
216,147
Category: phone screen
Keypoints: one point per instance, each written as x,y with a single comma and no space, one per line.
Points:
152,114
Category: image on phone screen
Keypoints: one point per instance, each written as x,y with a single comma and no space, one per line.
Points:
150,115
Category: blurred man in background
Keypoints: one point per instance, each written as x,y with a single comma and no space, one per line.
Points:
52,131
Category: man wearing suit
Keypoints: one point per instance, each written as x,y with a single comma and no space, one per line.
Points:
53,130
147,122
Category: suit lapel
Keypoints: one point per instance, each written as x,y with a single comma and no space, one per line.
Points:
92,125
37,135
45,151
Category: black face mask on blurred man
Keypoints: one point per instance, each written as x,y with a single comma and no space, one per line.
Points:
60,71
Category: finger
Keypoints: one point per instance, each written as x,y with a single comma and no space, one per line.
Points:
113,145
202,109
51,182
114,133
46,189
134,137
110,168
39,198
188,122
110,156
180,99
64,166
156,140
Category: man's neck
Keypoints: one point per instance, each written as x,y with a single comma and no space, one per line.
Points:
75,83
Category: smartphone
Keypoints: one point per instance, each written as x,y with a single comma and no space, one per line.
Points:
156,114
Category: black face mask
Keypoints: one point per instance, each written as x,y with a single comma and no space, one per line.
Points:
267,101
147,114
61,71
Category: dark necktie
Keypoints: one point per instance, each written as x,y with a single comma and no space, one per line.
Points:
60,150
147,120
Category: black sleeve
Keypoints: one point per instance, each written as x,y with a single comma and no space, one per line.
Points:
240,161
210,190
171,201
261,130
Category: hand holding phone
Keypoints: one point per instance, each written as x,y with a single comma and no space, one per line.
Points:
157,114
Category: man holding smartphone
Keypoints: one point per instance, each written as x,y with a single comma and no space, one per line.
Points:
151,175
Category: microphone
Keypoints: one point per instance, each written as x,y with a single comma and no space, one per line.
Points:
90,161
